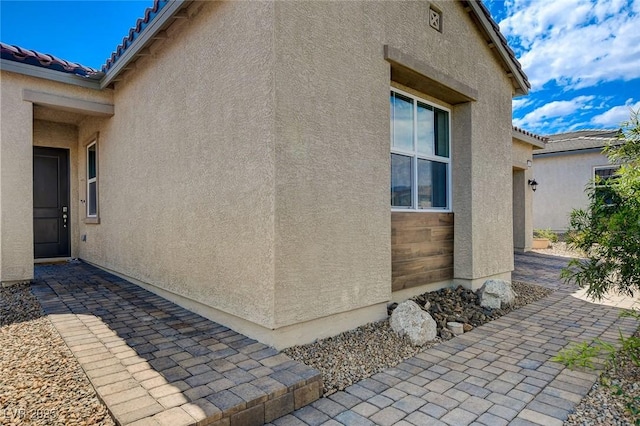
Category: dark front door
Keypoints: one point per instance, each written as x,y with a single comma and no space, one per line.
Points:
51,202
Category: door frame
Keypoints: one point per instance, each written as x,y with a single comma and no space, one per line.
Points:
66,201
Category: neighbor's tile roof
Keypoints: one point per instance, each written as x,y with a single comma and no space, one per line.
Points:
44,60
579,140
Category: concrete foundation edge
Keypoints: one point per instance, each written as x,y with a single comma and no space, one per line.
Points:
279,338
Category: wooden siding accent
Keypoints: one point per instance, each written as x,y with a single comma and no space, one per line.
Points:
421,248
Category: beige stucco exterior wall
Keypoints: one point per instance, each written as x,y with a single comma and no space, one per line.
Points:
186,166
16,182
562,180
332,150
245,173
522,196
16,154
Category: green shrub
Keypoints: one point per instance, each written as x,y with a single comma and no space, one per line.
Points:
583,355
546,233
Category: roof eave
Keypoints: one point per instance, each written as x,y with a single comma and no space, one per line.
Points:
48,74
145,38
518,77
537,142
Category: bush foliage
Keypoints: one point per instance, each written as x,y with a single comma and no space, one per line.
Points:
608,230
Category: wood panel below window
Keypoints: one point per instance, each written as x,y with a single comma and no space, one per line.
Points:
421,248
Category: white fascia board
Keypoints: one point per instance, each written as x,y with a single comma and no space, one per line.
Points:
48,74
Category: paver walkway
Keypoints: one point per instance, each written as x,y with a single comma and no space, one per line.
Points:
497,374
155,363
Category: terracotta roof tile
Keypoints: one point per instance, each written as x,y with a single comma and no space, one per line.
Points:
531,135
149,14
45,60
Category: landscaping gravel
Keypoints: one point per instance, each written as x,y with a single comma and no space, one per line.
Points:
606,402
42,383
356,354
561,249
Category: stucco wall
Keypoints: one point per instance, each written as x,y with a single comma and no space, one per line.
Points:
186,170
16,182
246,167
562,179
332,149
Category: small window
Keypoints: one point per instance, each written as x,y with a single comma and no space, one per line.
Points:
603,177
420,159
92,181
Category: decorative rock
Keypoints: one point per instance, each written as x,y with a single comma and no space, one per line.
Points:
410,320
426,306
455,327
496,294
467,327
446,334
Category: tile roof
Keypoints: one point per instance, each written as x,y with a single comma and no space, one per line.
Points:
45,60
531,135
134,32
579,140
510,60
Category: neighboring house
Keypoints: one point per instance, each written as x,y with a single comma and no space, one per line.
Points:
524,144
235,158
564,169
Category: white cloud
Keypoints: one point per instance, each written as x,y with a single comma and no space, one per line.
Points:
616,115
577,43
520,103
553,113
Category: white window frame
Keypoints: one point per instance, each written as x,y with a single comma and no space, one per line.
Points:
92,218
415,156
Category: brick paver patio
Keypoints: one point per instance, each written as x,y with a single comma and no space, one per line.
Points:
497,374
153,362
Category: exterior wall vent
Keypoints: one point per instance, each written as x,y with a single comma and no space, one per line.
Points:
435,18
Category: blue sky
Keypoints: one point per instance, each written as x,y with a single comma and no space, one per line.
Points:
78,31
582,56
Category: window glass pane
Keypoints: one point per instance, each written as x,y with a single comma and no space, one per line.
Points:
400,180
91,199
432,184
425,129
91,161
605,174
402,122
442,133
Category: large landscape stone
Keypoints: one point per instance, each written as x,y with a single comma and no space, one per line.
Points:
410,320
496,294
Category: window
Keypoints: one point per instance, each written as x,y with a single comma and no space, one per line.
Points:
603,174
92,180
603,177
420,159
